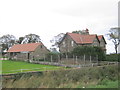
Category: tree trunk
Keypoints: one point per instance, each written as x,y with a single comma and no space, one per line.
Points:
116,49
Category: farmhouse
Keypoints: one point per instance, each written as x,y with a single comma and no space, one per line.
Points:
27,51
72,40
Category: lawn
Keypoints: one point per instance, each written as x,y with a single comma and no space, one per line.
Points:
109,84
106,84
9,66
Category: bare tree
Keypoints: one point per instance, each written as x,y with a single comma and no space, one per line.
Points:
114,36
56,40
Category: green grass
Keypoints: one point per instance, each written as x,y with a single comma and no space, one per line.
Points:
89,77
108,84
16,66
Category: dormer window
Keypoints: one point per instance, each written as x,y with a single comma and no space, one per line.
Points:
72,43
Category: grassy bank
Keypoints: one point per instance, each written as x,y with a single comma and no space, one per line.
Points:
91,77
19,66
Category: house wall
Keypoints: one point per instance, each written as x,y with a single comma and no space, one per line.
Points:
102,44
95,43
18,56
66,44
21,56
39,53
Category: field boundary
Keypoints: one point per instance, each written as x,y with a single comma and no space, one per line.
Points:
100,63
10,75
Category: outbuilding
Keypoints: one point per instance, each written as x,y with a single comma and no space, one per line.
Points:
29,51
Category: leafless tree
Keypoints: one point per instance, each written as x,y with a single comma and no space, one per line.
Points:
114,35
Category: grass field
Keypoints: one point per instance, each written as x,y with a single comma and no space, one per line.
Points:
88,77
106,84
19,66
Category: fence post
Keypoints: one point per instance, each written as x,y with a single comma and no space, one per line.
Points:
21,70
73,56
97,59
84,58
90,58
66,57
51,58
76,59
58,58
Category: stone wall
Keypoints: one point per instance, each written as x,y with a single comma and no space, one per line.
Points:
39,53
67,44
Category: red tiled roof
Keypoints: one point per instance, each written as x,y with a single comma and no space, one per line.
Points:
82,39
24,47
100,37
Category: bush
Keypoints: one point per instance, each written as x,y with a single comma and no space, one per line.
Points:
69,54
89,50
103,82
113,57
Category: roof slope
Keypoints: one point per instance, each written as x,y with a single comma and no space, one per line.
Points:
100,37
82,39
24,47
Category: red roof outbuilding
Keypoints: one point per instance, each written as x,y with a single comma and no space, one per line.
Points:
24,47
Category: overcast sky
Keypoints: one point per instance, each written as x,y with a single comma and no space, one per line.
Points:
48,18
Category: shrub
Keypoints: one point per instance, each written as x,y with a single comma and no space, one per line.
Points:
113,57
103,82
89,50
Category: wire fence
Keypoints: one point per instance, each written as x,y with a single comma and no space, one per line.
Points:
74,60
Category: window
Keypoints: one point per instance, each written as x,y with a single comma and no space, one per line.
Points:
72,43
63,44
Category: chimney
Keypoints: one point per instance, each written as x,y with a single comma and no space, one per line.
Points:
87,31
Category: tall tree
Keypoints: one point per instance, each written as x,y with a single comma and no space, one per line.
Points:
19,41
84,32
113,35
77,31
30,38
7,41
56,40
